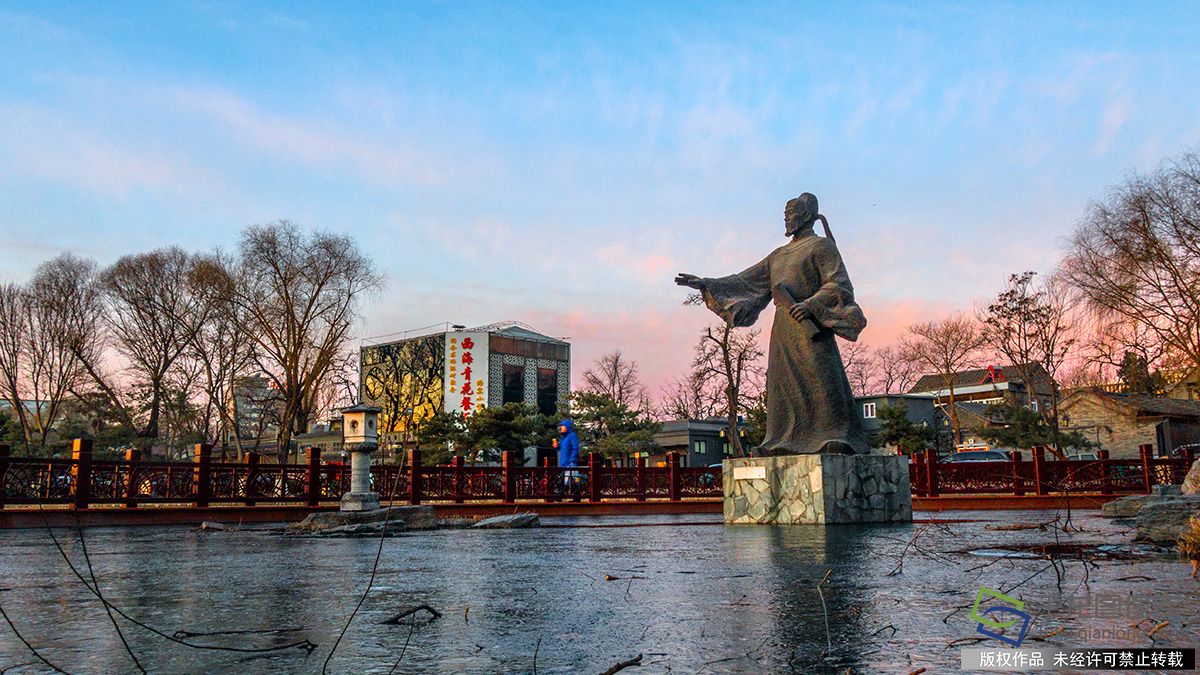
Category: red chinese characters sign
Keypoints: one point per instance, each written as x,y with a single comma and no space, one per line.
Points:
466,372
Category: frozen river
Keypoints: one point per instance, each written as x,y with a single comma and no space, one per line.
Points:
690,595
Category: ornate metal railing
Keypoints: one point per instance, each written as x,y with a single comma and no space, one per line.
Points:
931,477
83,482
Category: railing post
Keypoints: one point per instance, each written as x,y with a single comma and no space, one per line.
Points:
673,475
931,472
639,474
456,475
251,474
4,455
547,484
1039,471
594,466
1147,452
81,471
508,478
1106,486
132,459
915,479
1018,480
202,475
414,476
313,478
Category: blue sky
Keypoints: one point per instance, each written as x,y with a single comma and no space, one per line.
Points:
557,163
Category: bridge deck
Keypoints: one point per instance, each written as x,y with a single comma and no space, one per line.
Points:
27,517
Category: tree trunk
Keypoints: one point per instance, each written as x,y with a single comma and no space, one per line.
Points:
151,431
735,441
956,432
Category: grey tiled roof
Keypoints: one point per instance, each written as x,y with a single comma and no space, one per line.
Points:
968,378
1155,405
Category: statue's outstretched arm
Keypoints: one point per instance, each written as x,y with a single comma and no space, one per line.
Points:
689,280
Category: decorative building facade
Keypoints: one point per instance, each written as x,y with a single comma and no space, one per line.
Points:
461,370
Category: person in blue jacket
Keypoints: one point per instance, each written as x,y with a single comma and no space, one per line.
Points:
568,444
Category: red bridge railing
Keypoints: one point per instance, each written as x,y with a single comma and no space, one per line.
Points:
1039,476
82,482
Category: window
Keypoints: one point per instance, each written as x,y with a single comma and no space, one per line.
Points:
700,448
547,391
514,383
869,411
1033,405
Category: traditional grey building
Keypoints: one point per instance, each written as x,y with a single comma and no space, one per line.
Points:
994,384
698,442
921,409
1120,423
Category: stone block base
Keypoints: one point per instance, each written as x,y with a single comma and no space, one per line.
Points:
360,501
817,489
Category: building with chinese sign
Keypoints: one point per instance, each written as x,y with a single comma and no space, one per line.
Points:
455,369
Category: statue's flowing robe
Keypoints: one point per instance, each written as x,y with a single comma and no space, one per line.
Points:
810,407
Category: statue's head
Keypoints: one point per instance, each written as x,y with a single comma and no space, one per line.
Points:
800,213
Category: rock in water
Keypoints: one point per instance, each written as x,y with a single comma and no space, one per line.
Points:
210,526
509,521
409,517
1162,521
375,529
1126,507
1191,484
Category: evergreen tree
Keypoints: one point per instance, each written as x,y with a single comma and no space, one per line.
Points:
1024,428
895,429
609,427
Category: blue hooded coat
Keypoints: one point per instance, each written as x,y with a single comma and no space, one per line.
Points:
568,445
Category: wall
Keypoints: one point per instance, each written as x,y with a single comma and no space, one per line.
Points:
1119,432
496,363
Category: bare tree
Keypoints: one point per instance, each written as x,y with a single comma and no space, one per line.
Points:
14,337
81,296
1029,325
1109,342
617,376
1055,337
1011,324
861,365
944,348
1136,255
39,333
153,314
686,399
897,373
1081,376
224,354
298,295
729,362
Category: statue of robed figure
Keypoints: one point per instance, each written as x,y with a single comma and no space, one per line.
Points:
810,407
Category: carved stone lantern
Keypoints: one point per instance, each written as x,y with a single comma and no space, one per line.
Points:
360,437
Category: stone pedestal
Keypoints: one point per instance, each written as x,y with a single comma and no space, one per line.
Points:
359,501
360,497
817,489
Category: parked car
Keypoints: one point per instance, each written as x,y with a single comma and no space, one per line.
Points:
976,456
1088,456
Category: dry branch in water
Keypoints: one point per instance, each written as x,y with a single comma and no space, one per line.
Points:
413,610
635,661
